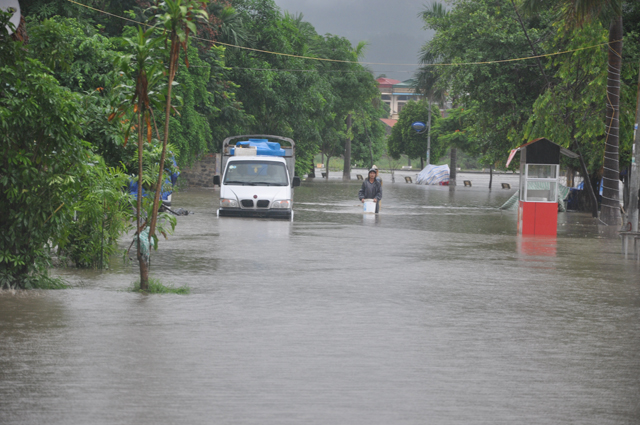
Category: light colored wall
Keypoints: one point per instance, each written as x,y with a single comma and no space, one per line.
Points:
201,173
395,104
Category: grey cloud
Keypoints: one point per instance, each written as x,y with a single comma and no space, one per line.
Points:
392,28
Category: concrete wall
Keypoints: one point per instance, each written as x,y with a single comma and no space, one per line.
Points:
201,173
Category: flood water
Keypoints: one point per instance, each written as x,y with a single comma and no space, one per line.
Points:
432,312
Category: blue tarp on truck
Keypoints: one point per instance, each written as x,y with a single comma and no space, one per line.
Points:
263,147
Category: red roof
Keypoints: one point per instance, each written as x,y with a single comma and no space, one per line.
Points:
389,121
386,82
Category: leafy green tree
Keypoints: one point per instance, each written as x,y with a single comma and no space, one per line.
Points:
135,111
351,91
43,159
307,100
568,111
82,60
283,102
110,27
405,140
500,95
369,134
453,131
574,14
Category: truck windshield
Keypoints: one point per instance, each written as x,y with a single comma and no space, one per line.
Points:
256,173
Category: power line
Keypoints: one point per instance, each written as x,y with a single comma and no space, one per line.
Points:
357,62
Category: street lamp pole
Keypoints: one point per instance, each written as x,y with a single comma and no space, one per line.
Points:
420,128
429,136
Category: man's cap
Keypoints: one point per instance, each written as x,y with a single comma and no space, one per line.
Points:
373,170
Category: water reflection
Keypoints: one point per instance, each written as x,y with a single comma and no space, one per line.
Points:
370,219
537,246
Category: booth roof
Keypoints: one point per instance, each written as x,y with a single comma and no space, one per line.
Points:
563,151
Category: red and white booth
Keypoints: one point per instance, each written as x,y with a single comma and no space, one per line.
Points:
539,174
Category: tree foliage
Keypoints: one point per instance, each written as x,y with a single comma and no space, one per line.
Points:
305,99
513,102
95,82
101,214
43,160
498,96
405,140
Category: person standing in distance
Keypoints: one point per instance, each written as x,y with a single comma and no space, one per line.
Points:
371,189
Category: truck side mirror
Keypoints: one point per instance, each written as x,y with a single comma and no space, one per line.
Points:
296,181
216,180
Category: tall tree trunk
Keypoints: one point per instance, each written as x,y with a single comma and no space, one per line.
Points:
326,168
454,165
490,175
143,260
173,68
610,211
346,174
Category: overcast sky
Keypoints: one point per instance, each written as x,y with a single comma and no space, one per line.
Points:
391,27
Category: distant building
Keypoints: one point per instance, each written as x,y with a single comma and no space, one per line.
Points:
396,94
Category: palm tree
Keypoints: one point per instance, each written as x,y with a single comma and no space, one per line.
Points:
576,13
225,25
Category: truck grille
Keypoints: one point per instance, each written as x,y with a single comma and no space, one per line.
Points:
247,203
263,203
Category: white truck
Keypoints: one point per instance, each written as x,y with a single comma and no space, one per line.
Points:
257,177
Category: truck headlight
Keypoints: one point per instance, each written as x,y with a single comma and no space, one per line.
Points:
228,203
285,204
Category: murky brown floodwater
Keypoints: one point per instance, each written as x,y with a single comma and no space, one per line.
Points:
434,312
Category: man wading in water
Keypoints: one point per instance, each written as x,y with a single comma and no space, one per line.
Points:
371,189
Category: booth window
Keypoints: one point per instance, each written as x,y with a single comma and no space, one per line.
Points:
540,183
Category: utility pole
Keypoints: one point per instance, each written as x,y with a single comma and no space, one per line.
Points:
634,174
429,136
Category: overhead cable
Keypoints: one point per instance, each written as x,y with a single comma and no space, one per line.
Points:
363,63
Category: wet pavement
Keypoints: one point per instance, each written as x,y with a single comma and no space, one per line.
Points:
432,312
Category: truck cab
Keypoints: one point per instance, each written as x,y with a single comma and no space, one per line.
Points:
257,177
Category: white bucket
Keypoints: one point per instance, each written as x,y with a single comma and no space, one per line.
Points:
369,207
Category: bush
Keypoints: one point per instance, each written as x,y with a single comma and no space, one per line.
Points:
42,158
103,213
